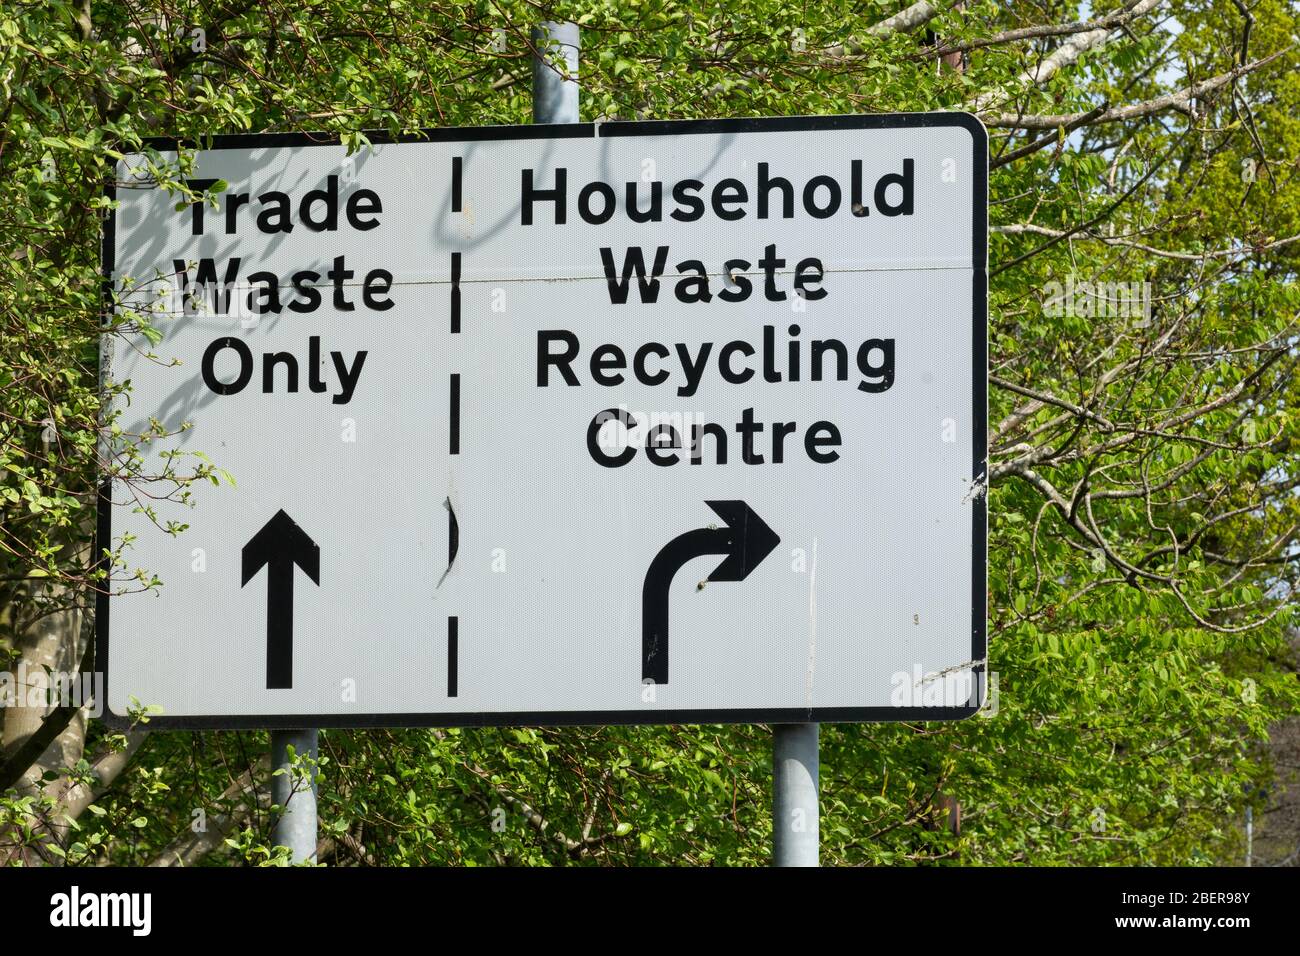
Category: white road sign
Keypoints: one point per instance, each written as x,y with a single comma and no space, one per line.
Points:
621,423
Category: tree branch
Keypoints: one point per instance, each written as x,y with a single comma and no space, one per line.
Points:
1180,100
1065,55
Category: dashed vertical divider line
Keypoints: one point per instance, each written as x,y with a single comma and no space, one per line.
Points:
455,293
453,623
453,635
455,415
453,534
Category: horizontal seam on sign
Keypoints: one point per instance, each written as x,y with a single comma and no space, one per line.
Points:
663,277
678,276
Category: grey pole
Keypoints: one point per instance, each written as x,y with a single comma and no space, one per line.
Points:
794,763
794,794
555,97
555,100
296,827
1250,834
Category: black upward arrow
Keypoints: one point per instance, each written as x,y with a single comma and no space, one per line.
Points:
746,541
279,546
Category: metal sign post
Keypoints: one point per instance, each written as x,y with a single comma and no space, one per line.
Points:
555,94
555,100
296,826
795,812
794,752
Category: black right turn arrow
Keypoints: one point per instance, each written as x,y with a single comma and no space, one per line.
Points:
279,546
746,541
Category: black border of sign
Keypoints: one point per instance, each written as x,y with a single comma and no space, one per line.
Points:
650,715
